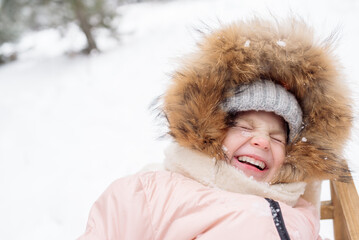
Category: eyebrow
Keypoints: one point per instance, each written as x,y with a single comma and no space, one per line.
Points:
246,120
281,131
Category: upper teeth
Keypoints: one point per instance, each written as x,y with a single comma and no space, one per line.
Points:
252,161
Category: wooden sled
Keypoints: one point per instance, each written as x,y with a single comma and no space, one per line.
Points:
343,208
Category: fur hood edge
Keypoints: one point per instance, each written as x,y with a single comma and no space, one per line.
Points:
284,52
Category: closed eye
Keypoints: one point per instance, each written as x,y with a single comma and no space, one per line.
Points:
278,139
244,127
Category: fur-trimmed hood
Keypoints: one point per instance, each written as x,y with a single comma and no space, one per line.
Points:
284,52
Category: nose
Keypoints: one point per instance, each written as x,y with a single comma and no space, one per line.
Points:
261,141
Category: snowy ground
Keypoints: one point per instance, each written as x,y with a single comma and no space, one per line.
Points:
69,126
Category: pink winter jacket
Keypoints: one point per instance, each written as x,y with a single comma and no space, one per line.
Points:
165,205
169,205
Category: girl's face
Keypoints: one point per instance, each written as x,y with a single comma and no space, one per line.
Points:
256,144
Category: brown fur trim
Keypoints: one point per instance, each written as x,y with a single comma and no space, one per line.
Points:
243,52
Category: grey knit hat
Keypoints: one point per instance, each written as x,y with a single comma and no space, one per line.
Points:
265,95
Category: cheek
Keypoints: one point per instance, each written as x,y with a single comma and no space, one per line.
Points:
279,156
227,146
232,142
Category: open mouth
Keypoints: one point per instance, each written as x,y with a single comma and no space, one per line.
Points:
253,162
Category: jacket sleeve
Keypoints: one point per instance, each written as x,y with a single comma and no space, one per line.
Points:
121,212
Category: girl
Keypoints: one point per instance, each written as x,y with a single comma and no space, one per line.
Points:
259,115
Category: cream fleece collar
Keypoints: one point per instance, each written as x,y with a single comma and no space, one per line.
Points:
205,170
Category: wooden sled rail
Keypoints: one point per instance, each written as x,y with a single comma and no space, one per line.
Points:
343,208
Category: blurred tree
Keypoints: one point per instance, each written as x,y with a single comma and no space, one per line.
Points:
10,26
83,16
8,31
17,16
88,15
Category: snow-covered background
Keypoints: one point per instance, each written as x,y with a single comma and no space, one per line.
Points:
69,126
